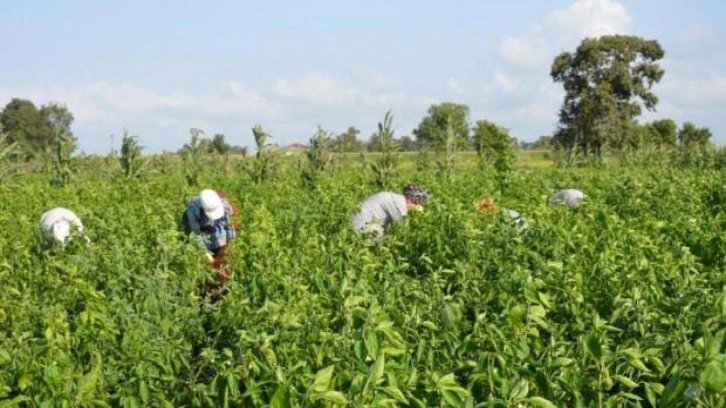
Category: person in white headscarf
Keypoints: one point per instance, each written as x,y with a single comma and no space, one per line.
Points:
59,225
569,196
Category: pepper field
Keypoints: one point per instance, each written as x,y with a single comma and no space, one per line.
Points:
618,303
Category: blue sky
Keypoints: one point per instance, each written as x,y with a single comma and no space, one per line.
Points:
160,68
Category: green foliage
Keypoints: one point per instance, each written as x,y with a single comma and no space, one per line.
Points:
447,149
494,145
193,154
6,150
318,157
347,142
665,132
433,128
690,136
63,166
606,80
33,130
385,165
131,161
264,165
618,303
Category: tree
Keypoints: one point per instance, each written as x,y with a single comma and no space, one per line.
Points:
407,144
432,128
219,145
23,125
374,143
691,136
606,80
665,132
34,130
347,141
544,142
494,144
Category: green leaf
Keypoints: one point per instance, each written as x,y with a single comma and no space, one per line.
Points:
335,397
593,345
625,381
516,314
376,372
650,395
541,402
24,381
537,311
519,391
714,375
280,399
673,392
322,379
396,394
143,391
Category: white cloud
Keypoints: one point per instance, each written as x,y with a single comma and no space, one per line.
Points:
319,90
454,85
563,29
290,109
523,53
504,82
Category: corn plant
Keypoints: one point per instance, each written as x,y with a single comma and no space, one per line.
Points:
264,164
62,159
6,149
385,165
131,161
447,149
318,157
193,157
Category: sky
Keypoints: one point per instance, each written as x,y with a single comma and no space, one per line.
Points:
160,68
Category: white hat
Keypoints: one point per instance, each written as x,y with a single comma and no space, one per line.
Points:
212,204
61,230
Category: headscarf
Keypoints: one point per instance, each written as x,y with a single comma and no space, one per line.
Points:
416,194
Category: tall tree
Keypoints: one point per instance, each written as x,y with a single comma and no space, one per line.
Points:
348,141
219,145
690,136
665,132
34,130
494,144
606,80
433,127
406,144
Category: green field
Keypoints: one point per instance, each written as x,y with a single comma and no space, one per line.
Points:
621,302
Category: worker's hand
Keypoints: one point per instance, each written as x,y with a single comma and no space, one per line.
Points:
210,258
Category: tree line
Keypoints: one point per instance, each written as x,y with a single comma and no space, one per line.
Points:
607,81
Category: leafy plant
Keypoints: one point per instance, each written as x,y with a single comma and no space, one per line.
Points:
264,165
131,161
385,165
63,161
193,154
318,156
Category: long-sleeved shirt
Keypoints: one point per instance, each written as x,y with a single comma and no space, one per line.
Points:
212,234
58,223
379,211
568,196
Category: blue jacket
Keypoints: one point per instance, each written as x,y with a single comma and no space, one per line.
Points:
212,234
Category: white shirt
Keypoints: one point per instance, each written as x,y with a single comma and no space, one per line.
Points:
379,211
58,223
568,196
